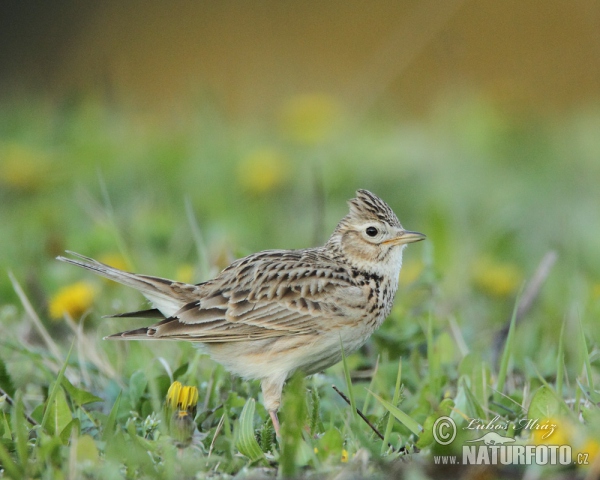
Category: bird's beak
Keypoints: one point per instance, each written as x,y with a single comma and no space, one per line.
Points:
405,237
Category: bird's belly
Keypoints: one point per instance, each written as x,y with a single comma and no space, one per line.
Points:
282,356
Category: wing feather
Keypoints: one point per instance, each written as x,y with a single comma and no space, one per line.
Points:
273,293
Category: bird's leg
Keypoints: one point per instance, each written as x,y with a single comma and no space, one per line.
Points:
275,420
271,388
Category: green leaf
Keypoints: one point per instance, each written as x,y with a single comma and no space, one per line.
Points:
545,404
111,421
402,417
443,410
87,451
48,411
5,427
65,435
79,396
330,445
475,407
6,382
246,441
59,414
137,386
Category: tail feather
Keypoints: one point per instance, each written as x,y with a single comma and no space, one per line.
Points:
151,313
158,290
138,333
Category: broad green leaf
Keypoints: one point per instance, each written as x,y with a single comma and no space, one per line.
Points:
53,393
443,410
402,417
65,435
59,414
137,386
87,451
78,395
330,444
544,404
246,441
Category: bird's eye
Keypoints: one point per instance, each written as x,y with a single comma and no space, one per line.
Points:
371,231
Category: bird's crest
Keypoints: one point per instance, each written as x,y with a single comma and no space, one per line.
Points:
368,205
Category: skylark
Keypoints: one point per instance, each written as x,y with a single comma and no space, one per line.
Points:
279,311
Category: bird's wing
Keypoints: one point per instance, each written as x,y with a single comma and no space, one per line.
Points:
270,294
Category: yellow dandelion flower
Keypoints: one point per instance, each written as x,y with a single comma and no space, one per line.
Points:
182,397
495,278
23,168
591,448
73,300
181,404
560,432
411,271
309,119
185,273
262,171
344,455
596,291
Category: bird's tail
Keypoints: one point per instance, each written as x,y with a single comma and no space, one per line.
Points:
167,296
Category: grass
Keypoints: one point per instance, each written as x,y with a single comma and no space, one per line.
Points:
176,199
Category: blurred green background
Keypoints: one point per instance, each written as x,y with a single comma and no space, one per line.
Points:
169,138
126,127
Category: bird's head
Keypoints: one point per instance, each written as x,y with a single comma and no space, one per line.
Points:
371,236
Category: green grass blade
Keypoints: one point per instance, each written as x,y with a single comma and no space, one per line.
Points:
111,421
476,408
507,353
349,384
246,441
11,469
396,397
594,396
402,417
433,359
560,360
20,431
371,386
